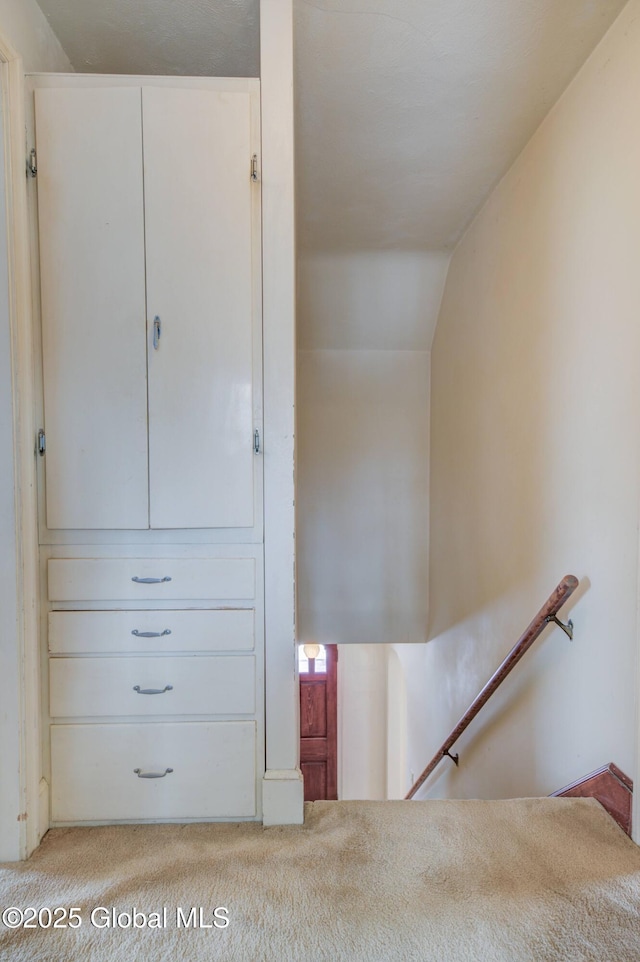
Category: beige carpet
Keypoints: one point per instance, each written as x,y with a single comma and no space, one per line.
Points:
515,881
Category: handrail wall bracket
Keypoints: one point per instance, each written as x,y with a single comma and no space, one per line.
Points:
568,628
454,758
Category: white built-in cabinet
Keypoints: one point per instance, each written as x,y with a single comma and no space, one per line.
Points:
147,260
150,286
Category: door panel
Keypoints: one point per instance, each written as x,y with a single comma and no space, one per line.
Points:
313,708
90,209
315,780
197,152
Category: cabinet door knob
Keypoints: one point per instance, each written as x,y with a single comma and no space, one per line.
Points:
141,774
150,634
152,691
150,581
157,331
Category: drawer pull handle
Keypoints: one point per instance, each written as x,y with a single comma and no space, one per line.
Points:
150,634
141,774
152,691
150,581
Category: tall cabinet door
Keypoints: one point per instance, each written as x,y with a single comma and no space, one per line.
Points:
91,225
200,293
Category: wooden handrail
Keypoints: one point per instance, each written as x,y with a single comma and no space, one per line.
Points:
547,613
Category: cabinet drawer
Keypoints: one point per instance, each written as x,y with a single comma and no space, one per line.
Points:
151,579
229,629
94,778
86,687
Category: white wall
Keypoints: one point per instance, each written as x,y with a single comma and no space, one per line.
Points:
365,326
410,734
362,495
25,26
371,300
362,722
535,447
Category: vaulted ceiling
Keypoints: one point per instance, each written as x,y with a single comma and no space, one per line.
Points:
407,111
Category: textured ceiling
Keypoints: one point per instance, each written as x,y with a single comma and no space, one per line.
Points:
410,110
216,38
407,111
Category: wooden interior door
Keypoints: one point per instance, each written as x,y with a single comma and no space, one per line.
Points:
319,729
199,244
91,223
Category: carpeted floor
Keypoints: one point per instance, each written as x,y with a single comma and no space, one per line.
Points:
530,880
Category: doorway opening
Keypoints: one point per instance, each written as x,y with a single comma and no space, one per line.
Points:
318,669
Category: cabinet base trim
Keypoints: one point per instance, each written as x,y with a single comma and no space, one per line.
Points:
283,797
152,821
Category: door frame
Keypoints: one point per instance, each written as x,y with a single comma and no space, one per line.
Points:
21,824
282,790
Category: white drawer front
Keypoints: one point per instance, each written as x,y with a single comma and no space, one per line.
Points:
151,579
72,632
94,778
87,687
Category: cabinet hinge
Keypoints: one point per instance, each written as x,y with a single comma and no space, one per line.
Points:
32,163
42,442
254,167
